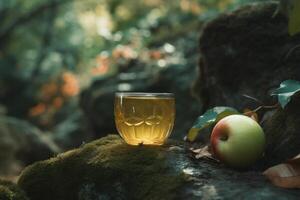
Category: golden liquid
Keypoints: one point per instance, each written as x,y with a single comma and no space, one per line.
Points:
144,120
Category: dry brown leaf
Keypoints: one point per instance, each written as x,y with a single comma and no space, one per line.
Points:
203,153
286,175
295,160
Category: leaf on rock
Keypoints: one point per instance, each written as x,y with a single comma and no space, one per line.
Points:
286,175
203,153
210,117
286,90
295,160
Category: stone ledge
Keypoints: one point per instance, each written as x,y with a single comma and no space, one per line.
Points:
110,169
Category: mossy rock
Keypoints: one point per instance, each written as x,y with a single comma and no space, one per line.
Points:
106,168
10,191
110,169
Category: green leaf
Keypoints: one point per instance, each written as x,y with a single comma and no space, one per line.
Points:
286,90
210,117
294,17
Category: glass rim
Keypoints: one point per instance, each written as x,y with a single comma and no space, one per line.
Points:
144,94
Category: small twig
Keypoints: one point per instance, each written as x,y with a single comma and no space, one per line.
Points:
291,51
261,107
253,98
285,56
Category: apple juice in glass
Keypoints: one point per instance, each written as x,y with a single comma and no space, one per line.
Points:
144,118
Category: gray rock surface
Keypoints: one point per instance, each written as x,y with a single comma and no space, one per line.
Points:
247,51
110,169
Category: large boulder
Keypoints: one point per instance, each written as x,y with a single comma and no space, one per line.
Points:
10,191
247,51
282,131
110,169
21,144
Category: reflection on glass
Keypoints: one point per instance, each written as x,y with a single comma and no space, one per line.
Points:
144,118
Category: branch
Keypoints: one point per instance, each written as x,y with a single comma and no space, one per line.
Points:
29,16
262,107
291,51
253,98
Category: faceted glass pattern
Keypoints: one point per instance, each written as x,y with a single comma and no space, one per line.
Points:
144,118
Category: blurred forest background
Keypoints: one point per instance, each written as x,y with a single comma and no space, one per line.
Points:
61,61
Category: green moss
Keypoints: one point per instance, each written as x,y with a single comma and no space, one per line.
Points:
105,168
10,191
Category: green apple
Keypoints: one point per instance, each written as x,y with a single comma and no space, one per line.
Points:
238,141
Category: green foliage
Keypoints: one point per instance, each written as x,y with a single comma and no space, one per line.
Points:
209,118
294,17
286,90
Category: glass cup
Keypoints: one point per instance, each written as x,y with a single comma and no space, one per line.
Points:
144,118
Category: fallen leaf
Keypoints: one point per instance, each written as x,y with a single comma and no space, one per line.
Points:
295,160
286,175
203,153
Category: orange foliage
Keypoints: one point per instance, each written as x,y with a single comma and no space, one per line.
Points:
52,98
49,90
191,6
124,52
99,70
156,55
70,85
37,110
102,65
58,102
